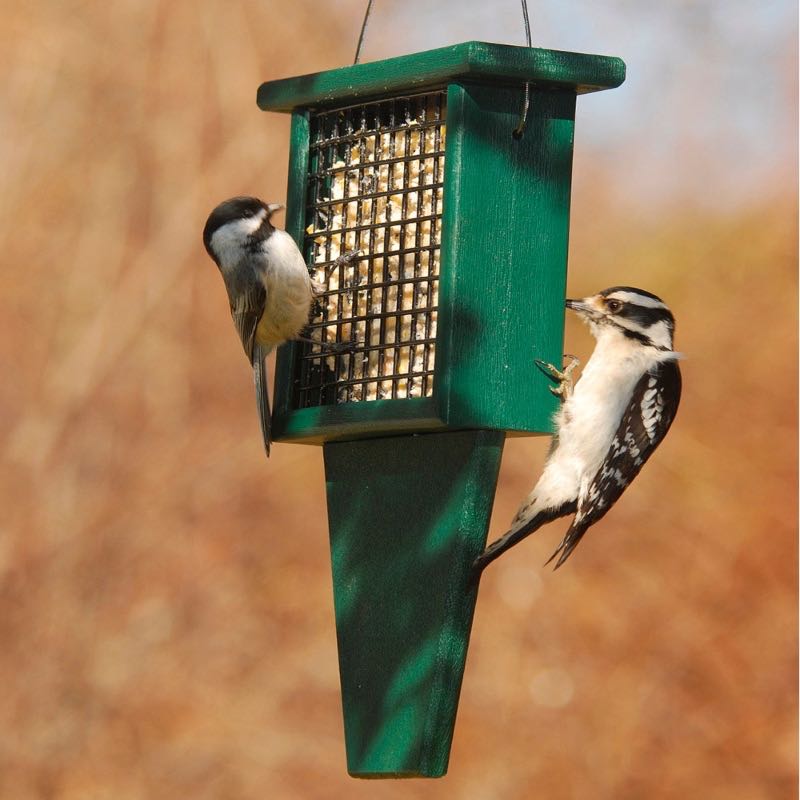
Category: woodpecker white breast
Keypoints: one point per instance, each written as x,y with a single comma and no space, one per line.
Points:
605,430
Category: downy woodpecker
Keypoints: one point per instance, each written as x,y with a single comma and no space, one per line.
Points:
610,424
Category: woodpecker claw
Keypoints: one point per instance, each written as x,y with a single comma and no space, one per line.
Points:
563,376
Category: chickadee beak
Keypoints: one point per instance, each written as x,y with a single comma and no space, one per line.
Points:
273,207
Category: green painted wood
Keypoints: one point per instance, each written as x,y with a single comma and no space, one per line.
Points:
295,226
358,420
483,61
408,515
505,231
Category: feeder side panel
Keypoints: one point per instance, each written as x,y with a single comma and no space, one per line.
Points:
504,256
295,224
408,516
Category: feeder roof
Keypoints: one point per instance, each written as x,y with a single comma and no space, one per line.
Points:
469,61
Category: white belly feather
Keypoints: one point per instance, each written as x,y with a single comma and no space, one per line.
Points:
288,286
586,424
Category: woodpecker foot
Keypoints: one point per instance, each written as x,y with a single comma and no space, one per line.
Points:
563,375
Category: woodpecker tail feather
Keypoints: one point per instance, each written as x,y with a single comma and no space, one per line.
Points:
262,396
568,544
507,540
516,535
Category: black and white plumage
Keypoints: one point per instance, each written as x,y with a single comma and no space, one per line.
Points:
267,280
610,424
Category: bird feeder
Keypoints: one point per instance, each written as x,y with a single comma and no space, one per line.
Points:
439,244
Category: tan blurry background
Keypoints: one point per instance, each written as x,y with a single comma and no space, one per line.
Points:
165,600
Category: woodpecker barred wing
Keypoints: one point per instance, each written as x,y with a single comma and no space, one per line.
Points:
246,311
643,425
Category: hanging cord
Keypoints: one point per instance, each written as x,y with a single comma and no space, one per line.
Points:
363,31
523,117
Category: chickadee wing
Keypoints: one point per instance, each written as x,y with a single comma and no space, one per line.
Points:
247,307
642,428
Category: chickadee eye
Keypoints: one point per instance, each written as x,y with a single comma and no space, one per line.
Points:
613,305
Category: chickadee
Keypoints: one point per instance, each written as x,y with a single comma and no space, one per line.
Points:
605,430
268,284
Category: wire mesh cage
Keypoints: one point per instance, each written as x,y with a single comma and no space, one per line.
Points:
375,185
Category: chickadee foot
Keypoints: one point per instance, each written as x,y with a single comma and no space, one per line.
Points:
563,376
342,348
343,260
331,348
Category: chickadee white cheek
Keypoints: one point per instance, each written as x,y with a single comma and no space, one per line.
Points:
227,240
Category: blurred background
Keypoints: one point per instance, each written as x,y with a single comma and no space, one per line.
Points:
165,607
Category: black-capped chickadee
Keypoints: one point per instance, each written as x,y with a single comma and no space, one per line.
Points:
267,280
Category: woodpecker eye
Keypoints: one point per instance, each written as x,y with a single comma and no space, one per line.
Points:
613,305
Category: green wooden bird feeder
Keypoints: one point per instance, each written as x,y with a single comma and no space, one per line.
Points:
424,347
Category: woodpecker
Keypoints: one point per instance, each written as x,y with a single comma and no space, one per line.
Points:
609,423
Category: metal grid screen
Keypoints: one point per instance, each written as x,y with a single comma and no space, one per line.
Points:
374,193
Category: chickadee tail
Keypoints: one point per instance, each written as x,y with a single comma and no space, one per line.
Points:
516,535
262,396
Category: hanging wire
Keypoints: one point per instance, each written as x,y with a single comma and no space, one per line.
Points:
363,31
523,117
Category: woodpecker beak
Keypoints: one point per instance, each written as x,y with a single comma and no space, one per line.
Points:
584,307
578,305
272,208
